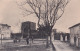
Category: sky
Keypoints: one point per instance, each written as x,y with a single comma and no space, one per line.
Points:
11,14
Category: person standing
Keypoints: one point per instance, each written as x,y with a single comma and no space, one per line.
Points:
32,39
27,39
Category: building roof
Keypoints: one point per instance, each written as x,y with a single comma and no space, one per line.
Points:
74,25
28,22
5,25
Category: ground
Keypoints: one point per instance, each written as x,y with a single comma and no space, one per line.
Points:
64,46
37,45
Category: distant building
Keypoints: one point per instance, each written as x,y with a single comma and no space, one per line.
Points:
61,36
56,34
65,37
16,35
75,35
27,28
5,31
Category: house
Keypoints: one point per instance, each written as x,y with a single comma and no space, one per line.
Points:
75,35
27,28
5,31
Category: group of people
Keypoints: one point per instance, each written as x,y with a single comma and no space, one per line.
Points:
28,38
16,40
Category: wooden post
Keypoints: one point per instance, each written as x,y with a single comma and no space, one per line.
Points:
1,38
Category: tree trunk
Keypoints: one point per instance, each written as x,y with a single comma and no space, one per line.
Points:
47,42
50,36
49,31
50,39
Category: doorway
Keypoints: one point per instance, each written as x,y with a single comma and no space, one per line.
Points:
75,40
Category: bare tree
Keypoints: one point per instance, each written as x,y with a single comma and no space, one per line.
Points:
47,12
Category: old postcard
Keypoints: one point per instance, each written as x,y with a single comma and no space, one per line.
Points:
39,25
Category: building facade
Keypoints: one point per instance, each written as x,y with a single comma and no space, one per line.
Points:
61,36
16,35
5,31
75,35
27,28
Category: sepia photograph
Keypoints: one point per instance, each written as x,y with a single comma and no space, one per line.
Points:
39,25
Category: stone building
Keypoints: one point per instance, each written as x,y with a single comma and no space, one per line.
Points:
5,31
75,35
27,28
